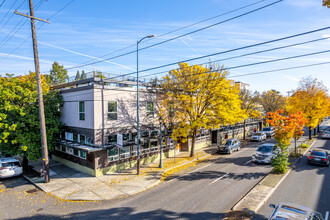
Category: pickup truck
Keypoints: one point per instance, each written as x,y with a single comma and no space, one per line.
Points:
269,131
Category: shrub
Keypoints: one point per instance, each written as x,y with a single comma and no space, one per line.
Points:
303,145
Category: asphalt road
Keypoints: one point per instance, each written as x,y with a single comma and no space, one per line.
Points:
206,191
307,185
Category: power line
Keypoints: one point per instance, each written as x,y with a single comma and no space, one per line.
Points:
8,11
2,3
179,29
227,51
11,16
253,53
13,51
171,39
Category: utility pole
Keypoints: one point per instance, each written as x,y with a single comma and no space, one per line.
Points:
40,97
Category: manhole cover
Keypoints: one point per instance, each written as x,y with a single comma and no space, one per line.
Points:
31,191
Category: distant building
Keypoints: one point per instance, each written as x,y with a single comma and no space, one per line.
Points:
242,85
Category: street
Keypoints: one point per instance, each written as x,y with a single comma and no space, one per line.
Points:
306,185
207,190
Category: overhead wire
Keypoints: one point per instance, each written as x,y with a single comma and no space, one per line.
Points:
8,11
174,38
13,51
2,3
11,16
179,29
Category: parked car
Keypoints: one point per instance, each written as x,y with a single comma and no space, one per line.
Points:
269,131
9,167
320,157
258,136
230,146
326,134
265,153
293,211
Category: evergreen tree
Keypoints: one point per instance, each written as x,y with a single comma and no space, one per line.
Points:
77,76
83,75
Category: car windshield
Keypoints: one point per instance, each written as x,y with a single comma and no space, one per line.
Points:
266,129
258,133
318,153
265,149
294,209
228,143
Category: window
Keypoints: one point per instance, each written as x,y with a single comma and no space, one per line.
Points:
112,139
82,139
63,148
76,152
68,136
83,154
82,111
124,152
113,154
112,110
69,150
75,137
150,109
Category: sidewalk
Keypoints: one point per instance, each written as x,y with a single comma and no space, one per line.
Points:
69,184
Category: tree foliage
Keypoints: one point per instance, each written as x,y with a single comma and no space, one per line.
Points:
57,74
77,75
312,100
286,126
195,97
272,101
326,3
19,115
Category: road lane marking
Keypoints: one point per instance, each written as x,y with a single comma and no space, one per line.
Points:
248,162
219,178
326,215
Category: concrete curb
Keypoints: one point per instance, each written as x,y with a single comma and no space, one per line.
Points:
32,182
258,206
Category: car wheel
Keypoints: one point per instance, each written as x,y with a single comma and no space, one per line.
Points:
230,151
238,148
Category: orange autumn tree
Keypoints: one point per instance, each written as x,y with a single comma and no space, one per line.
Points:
286,127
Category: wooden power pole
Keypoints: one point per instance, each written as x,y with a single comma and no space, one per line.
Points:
40,97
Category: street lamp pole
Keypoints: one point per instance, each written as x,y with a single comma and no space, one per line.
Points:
138,104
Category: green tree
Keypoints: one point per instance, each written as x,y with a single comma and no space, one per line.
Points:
77,76
83,75
19,116
201,98
57,74
99,74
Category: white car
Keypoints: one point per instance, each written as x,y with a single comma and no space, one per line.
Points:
258,136
326,134
293,211
265,153
9,167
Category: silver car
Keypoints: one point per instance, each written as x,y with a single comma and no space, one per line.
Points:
230,146
292,211
326,134
9,167
265,153
258,136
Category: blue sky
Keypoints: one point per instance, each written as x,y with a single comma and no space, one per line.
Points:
86,30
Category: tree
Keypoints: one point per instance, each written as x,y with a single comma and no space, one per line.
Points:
312,100
250,105
285,128
326,3
77,76
19,116
99,74
83,75
57,74
200,98
272,101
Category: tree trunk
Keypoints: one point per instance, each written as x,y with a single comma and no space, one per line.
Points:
314,131
310,133
295,145
244,129
318,128
192,151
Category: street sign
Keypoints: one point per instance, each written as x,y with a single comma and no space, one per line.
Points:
120,140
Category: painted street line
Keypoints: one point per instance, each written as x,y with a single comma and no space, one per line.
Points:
219,178
248,162
326,215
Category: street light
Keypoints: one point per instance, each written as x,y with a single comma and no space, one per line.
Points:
137,105
160,143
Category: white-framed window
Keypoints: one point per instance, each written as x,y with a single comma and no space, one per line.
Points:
113,154
112,139
150,109
76,152
82,110
58,147
68,136
124,152
69,150
82,154
81,138
112,110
